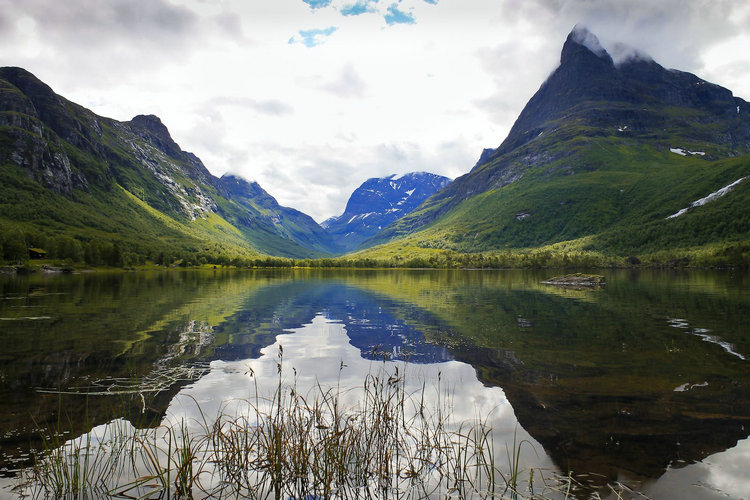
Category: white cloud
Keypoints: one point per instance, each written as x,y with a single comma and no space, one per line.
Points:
311,123
347,84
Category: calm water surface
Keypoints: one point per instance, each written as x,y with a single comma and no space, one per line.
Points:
645,381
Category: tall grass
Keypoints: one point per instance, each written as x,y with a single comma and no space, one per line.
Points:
288,444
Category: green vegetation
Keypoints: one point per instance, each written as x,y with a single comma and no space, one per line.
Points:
293,445
608,206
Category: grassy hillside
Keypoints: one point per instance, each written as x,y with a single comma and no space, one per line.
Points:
612,199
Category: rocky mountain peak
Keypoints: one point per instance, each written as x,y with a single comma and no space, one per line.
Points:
152,129
239,188
583,43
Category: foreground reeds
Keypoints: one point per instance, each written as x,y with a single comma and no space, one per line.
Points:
391,444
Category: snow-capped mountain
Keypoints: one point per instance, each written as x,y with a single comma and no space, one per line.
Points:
378,202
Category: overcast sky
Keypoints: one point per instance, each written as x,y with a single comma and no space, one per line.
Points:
312,97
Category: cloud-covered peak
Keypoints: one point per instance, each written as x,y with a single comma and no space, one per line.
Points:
581,45
622,53
582,36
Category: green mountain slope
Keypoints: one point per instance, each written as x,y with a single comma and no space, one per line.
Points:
600,157
71,179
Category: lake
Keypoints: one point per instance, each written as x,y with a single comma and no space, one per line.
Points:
641,385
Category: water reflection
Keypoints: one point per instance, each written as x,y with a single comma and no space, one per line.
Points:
321,355
644,376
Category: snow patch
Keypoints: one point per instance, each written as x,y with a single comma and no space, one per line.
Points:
622,128
685,152
523,215
411,191
711,197
687,387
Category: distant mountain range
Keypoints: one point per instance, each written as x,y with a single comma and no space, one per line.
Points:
625,158
378,202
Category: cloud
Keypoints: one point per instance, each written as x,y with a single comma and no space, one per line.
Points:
348,84
396,16
269,107
141,22
313,37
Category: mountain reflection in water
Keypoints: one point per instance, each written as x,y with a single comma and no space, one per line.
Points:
606,383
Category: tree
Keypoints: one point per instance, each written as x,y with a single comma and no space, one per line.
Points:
14,247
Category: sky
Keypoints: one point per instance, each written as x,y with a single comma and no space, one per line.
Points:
312,97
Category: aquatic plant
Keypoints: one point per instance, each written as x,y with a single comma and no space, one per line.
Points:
295,444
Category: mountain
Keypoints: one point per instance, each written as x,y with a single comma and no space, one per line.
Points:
379,202
600,157
74,182
287,222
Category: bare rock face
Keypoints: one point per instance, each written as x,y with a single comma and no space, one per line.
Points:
30,143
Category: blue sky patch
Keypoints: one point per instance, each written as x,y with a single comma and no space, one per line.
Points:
313,37
396,16
433,2
360,7
317,4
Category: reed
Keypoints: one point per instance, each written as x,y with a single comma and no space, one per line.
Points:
292,444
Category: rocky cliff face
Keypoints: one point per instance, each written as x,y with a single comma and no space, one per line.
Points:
26,103
380,201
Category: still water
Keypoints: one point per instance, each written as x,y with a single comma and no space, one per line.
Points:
644,383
